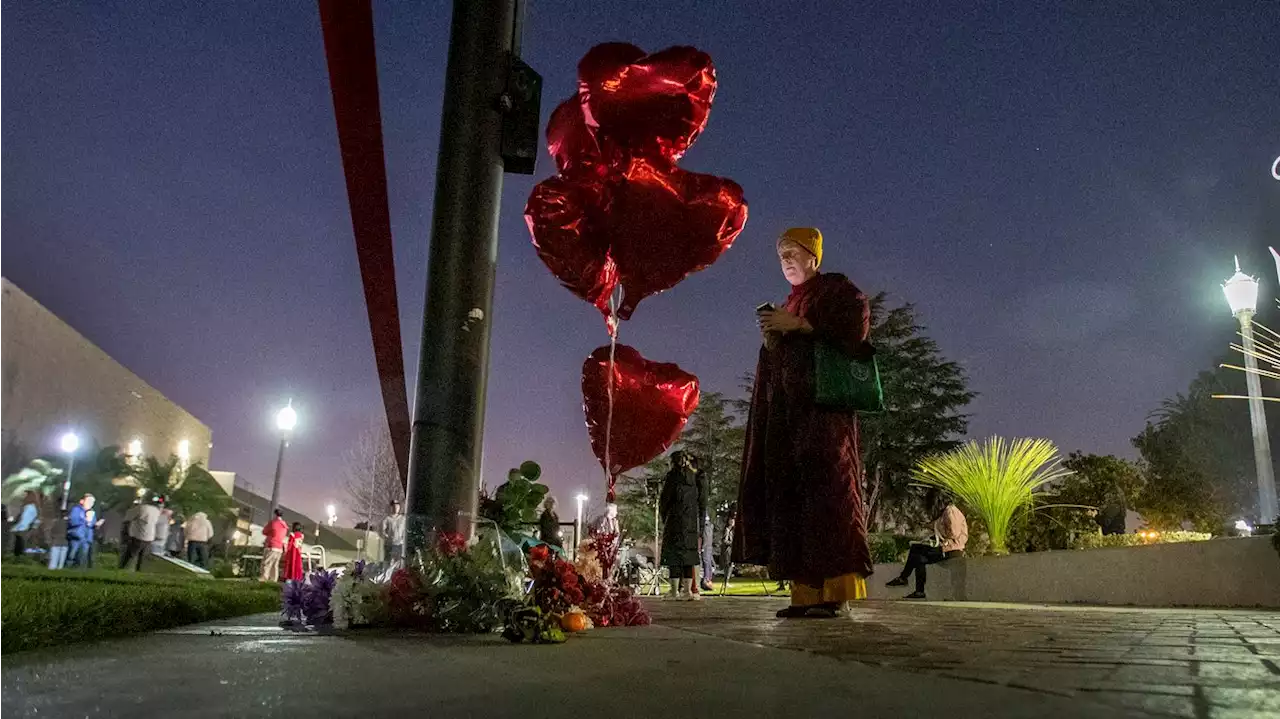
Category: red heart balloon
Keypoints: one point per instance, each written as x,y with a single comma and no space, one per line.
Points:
557,214
570,141
662,225
650,106
652,401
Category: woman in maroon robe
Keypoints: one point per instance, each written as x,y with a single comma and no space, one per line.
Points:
800,505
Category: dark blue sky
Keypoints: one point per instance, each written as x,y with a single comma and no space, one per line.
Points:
1059,191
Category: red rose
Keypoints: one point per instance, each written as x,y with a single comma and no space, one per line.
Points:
451,543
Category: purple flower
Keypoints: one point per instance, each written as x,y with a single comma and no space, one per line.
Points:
315,600
294,600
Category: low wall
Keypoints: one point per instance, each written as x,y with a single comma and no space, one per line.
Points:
1241,572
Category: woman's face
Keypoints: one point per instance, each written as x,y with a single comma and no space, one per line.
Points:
798,264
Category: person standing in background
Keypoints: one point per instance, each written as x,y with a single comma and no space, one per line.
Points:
28,519
162,531
708,554
549,523
199,531
4,531
393,532
82,525
140,527
58,545
682,504
291,562
273,536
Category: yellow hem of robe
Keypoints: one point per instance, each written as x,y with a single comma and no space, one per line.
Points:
844,588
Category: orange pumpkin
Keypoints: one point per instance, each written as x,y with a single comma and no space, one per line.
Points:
574,622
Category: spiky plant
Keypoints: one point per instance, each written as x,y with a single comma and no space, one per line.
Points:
997,479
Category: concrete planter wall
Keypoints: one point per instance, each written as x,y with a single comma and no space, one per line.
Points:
1243,572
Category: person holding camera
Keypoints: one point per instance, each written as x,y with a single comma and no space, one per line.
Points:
800,505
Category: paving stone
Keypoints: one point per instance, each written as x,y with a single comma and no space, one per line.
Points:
1237,713
1152,660
1177,690
1242,698
1161,704
1257,672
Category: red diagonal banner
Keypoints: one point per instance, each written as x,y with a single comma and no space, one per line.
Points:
353,77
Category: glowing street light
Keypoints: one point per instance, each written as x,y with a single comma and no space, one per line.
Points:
134,450
184,451
332,511
69,443
286,420
1241,291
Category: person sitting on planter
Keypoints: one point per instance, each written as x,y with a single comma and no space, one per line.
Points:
952,532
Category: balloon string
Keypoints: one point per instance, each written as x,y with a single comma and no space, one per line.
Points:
615,298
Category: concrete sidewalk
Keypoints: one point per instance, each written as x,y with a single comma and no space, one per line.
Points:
251,668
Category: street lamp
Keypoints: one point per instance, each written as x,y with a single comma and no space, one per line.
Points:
286,420
69,444
577,525
332,511
1242,296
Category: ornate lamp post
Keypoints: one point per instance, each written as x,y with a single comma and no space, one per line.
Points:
1242,296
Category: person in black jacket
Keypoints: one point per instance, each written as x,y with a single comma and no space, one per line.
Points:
683,504
549,523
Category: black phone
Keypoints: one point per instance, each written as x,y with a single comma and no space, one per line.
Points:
765,307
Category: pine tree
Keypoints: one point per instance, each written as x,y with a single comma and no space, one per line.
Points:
925,395
714,435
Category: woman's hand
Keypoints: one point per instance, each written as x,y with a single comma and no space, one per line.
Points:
783,321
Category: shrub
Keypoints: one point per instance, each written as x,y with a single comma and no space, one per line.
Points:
1097,541
889,548
998,480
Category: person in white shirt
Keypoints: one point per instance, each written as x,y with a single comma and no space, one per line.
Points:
393,532
952,532
199,531
141,521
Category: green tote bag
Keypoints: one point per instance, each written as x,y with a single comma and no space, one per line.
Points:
846,384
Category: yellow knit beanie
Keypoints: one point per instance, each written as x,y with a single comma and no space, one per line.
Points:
809,238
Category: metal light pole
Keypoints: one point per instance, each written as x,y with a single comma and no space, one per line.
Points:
69,444
1242,295
448,410
577,524
286,420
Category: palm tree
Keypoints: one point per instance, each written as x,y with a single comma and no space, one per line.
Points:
997,479
94,473
186,489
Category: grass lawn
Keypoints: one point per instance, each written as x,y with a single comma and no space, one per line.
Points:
742,587
43,608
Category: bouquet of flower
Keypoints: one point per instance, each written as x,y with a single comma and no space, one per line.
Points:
307,601
453,588
607,604
358,599
556,585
